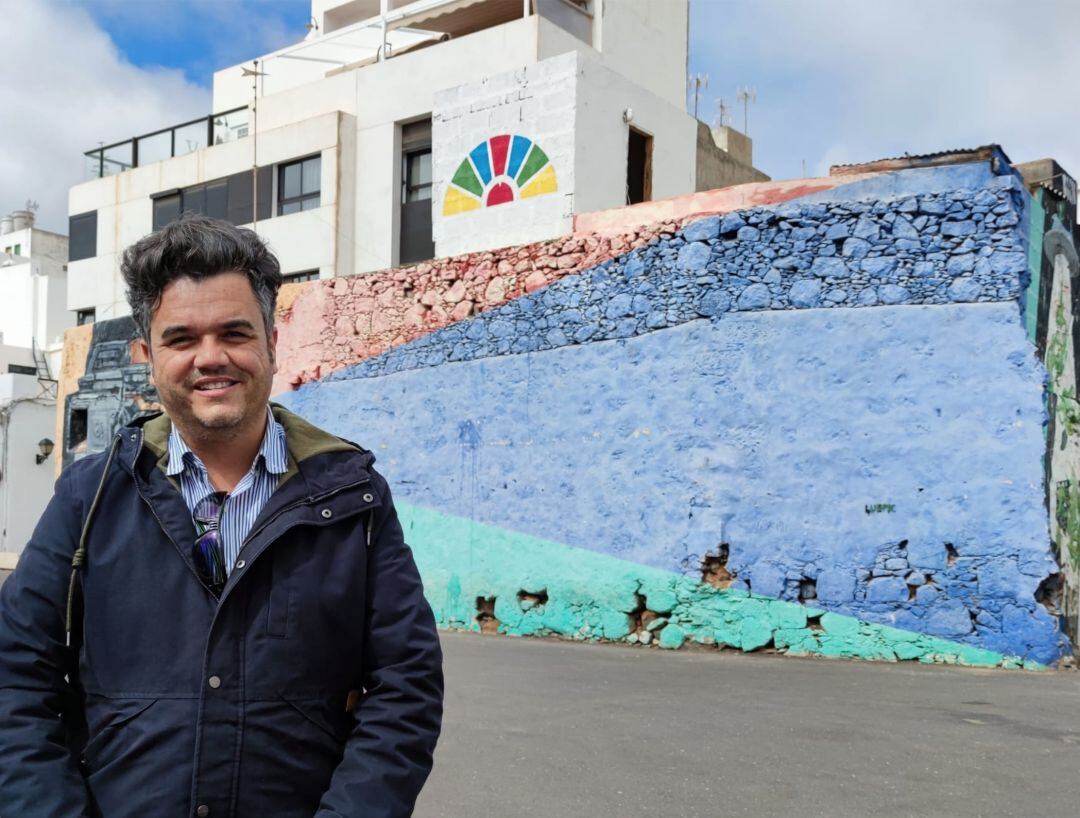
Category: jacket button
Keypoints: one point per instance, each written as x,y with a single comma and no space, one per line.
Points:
240,563
327,513
368,498
202,810
214,682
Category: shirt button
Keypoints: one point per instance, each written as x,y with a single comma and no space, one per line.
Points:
214,682
240,563
202,810
327,513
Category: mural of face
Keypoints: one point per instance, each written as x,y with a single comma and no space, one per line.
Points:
210,357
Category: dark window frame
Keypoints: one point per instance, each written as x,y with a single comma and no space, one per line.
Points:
85,316
407,184
284,201
82,236
300,277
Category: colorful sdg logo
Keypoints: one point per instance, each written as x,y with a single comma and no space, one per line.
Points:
499,170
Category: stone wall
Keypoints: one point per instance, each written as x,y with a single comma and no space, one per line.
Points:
814,426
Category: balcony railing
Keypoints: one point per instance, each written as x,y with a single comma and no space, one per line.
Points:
216,129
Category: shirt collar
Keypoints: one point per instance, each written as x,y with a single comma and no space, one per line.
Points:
273,451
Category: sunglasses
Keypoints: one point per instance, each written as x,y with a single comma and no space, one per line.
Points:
208,552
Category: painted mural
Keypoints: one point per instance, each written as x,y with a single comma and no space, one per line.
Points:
499,170
1052,319
814,426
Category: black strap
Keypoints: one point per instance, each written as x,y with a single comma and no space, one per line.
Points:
78,559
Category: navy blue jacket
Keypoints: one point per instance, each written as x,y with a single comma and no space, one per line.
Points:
312,687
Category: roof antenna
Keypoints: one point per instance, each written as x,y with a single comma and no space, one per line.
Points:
698,82
746,95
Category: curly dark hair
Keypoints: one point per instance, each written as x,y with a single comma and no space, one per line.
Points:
197,247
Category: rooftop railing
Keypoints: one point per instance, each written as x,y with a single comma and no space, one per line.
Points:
216,129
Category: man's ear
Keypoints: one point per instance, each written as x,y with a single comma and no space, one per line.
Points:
144,350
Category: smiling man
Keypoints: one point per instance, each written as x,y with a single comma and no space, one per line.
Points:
248,630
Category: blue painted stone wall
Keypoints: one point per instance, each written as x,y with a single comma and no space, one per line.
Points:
839,391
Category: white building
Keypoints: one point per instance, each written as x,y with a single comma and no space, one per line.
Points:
399,131
33,317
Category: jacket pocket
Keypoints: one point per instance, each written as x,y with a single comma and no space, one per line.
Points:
336,722
107,720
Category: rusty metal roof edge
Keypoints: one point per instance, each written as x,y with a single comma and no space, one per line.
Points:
923,160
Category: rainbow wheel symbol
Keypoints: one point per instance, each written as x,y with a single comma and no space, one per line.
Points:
499,170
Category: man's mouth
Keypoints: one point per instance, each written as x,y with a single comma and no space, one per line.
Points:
215,385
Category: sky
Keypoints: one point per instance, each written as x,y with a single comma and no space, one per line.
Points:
836,81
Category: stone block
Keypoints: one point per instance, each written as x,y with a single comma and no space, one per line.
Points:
703,229
893,294
754,297
694,256
965,227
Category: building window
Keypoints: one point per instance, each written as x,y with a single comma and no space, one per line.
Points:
21,369
297,278
166,208
639,167
82,236
298,185
417,175
18,249
415,242
86,316
229,198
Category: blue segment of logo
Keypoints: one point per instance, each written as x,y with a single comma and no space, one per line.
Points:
479,157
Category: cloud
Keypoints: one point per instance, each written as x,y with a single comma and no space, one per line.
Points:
851,81
71,90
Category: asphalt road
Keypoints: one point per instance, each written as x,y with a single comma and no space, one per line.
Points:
560,730
543,728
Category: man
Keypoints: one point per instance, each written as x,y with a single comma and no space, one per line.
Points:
249,632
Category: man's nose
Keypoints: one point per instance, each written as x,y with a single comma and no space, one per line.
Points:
210,354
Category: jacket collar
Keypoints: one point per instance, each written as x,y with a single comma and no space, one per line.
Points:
320,458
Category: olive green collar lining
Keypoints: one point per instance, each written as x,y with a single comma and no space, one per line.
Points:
303,439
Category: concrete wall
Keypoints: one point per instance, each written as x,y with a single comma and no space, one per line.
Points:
33,306
646,41
572,106
815,426
719,168
508,132
25,485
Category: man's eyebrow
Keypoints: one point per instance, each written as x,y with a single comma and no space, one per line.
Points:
183,329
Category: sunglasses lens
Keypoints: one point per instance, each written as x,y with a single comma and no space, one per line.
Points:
208,558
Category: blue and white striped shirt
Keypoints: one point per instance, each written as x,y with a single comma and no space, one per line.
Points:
244,503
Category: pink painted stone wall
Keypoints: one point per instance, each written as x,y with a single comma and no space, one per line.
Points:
326,325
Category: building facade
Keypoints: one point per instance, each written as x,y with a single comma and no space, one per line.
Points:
398,132
33,318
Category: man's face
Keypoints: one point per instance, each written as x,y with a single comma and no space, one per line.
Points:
210,357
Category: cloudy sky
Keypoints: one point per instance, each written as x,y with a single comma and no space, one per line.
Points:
836,80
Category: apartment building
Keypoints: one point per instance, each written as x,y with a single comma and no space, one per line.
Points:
401,131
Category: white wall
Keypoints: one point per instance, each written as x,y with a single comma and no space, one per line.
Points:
25,486
535,101
602,137
646,41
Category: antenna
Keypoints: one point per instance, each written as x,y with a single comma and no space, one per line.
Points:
746,95
723,113
698,82
254,73
32,206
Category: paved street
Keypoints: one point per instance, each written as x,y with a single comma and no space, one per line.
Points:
542,728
